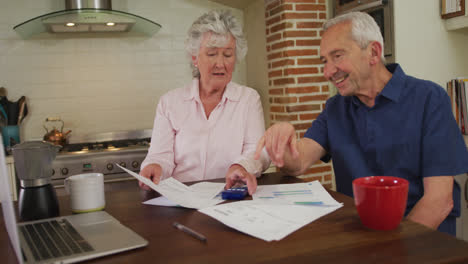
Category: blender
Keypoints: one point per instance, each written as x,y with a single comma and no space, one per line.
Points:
33,163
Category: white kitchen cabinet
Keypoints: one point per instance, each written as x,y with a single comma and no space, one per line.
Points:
11,173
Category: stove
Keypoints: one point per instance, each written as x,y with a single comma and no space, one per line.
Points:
100,153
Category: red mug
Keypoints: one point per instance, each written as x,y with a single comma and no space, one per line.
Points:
380,201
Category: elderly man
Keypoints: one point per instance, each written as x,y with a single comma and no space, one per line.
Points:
382,122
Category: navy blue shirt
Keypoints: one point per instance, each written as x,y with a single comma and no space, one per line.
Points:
410,133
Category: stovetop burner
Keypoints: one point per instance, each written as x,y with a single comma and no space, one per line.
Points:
100,153
106,145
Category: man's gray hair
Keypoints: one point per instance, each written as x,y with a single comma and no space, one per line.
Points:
221,23
364,29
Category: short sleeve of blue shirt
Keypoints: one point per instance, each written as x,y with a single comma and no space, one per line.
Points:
410,133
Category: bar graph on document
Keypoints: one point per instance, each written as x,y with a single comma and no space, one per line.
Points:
298,194
300,197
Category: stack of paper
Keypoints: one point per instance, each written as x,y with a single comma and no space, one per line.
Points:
277,210
197,196
203,189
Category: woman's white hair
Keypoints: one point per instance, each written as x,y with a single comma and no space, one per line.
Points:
364,29
220,23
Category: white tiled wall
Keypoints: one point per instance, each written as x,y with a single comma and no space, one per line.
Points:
97,83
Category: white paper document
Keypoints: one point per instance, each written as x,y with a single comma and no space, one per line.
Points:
161,201
311,193
201,187
199,197
267,220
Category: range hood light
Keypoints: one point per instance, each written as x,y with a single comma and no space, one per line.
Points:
87,16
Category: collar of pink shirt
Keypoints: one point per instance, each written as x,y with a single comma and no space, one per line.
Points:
229,93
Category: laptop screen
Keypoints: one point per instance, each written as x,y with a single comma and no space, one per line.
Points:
7,205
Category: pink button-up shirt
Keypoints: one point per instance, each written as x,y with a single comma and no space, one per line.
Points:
190,147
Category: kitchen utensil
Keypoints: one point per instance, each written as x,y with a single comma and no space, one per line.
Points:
3,117
12,112
33,163
3,112
21,103
55,136
25,112
4,105
380,201
3,100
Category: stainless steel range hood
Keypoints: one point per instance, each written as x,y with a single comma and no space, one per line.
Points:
82,16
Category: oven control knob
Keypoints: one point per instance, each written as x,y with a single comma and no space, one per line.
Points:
123,164
53,172
110,166
135,164
64,171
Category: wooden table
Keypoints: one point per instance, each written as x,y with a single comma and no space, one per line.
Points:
335,238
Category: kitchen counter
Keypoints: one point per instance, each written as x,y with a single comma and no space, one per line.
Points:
338,237
9,159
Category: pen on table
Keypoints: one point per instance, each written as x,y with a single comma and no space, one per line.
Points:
189,231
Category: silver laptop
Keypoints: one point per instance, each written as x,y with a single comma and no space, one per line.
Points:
66,239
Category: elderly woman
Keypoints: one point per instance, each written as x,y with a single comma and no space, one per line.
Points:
209,128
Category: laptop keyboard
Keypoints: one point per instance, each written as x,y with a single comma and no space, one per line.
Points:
53,239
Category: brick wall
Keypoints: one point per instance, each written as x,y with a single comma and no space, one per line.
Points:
297,88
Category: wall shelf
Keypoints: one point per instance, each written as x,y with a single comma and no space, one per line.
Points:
458,22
